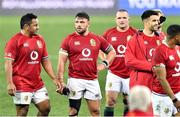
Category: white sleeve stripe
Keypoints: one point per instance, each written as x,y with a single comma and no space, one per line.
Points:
8,58
46,57
108,47
63,52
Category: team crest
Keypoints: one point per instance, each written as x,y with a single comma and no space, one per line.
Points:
39,43
92,42
110,85
73,93
26,98
171,57
129,37
145,42
158,42
158,107
25,44
166,110
76,43
113,39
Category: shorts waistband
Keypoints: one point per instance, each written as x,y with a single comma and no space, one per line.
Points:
163,95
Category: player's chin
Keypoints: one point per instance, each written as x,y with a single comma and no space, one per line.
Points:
156,27
81,32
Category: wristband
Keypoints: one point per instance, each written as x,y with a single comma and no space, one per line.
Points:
175,100
106,63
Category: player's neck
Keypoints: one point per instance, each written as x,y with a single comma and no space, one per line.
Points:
124,29
84,34
170,43
148,32
25,33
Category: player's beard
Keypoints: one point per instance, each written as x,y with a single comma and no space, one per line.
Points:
81,32
177,43
154,28
33,32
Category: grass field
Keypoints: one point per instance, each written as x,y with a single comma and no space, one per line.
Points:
54,29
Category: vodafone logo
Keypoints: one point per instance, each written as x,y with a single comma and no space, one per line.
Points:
121,49
151,51
177,68
86,52
34,55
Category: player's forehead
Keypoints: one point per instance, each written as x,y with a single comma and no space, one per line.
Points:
154,17
122,14
81,19
34,21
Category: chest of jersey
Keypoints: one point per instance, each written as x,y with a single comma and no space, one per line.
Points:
84,47
30,49
173,63
119,40
150,44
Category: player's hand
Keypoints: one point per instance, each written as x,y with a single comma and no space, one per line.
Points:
61,86
101,67
11,88
63,91
57,83
177,105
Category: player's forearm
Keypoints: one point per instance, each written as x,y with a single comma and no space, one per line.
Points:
60,74
102,55
161,76
60,71
111,55
48,68
61,67
8,71
167,88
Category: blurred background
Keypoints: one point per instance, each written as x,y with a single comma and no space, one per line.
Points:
56,22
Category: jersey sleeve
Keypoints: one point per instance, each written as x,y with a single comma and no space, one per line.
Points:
105,35
45,53
131,60
105,45
64,48
11,49
159,56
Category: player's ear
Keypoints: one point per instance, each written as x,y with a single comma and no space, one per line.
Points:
89,23
26,26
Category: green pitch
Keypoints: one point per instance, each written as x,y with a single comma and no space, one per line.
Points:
54,29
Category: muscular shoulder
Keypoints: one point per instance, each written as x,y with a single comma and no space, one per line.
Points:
110,31
14,39
70,36
132,29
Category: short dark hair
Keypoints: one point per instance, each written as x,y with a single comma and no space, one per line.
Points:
83,15
173,30
27,19
146,14
122,10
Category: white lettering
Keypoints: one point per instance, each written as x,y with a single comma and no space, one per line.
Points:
142,4
169,3
54,4
33,62
175,75
86,59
